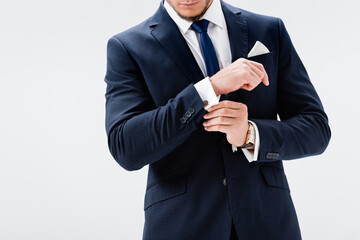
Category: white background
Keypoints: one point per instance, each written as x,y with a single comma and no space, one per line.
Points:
57,178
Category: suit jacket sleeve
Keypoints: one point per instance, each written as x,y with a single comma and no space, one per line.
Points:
303,130
138,132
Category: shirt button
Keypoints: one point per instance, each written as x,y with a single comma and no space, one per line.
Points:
224,182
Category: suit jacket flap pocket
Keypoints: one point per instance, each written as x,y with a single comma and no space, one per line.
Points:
165,190
275,177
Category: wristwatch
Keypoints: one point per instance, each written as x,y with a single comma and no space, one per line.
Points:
250,137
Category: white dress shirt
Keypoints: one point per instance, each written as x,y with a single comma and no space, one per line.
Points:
217,31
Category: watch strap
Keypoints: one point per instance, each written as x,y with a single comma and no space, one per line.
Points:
250,137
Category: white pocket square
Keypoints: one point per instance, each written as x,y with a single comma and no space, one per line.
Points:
258,49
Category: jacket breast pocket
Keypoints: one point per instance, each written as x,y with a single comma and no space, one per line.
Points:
165,190
275,177
267,60
261,57
261,101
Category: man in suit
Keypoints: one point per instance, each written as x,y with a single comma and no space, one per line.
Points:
187,96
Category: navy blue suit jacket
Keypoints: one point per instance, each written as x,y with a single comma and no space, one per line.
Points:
196,184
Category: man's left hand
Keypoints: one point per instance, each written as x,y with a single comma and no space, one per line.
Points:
230,118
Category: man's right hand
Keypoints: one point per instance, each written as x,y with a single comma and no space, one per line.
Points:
242,73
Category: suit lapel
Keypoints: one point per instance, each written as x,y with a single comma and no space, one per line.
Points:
166,32
238,31
238,36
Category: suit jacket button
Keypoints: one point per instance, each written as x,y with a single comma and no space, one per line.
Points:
182,120
187,114
191,110
224,182
272,156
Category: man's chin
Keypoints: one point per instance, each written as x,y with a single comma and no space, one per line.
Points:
192,18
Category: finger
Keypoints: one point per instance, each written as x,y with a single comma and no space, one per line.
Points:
219,121
255,77
219,128
247,87
251,83
226,104
251,72
224,112
264,77
259,72
257,65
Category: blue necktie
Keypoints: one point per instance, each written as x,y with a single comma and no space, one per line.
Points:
207,48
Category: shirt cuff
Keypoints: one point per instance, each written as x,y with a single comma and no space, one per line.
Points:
252,155
207,93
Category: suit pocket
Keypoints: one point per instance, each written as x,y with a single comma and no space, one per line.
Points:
262,58
267,60
164,190
275,177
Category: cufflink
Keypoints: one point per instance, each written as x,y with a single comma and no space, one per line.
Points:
206,102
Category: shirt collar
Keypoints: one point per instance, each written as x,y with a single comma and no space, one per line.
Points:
214,14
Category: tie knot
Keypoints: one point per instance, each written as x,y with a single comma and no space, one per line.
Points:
200,26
